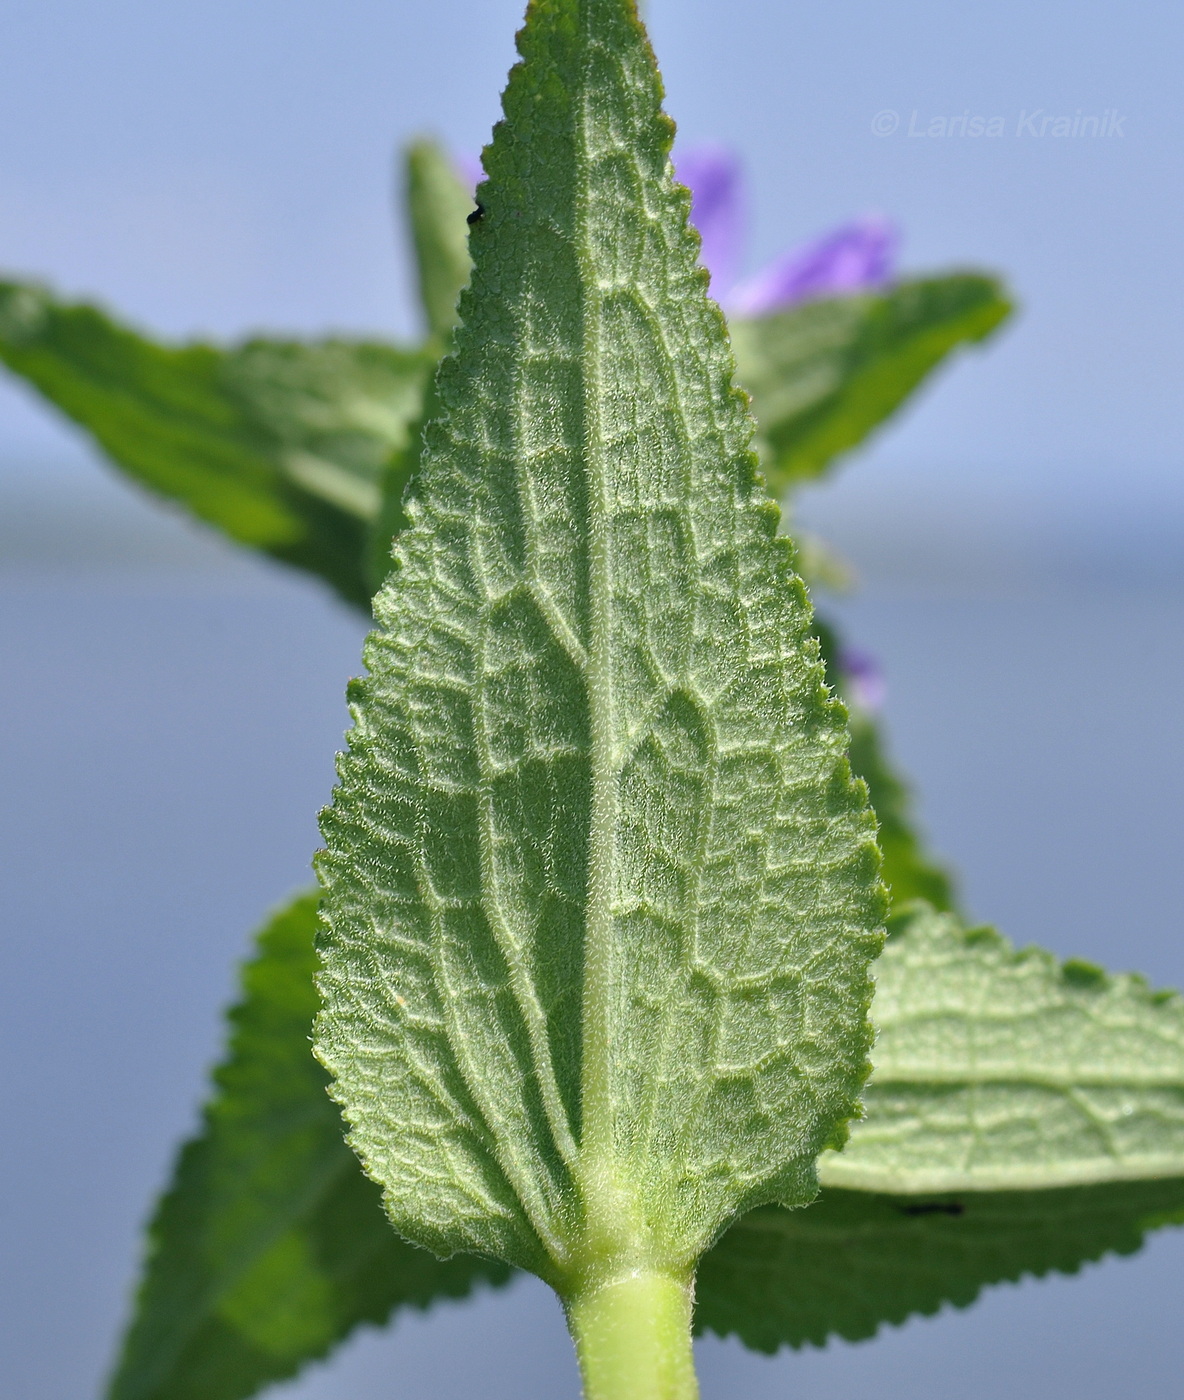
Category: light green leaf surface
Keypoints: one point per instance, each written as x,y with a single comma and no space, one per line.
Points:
997,1069
270,1245
824,374
601,894
854,1260
279,444
438,207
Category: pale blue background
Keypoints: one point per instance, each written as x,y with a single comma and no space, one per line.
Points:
168,711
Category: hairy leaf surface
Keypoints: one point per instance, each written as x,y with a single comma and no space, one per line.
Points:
1001,1069
279,444
270,1245
854,1260
601,893
824,374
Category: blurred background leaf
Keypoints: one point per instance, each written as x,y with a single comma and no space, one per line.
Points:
438,206
824,374
281,445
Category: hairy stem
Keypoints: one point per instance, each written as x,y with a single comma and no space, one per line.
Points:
633,1338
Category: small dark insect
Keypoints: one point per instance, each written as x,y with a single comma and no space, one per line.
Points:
477,215
934,1208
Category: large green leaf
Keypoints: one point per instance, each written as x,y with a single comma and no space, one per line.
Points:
270,1245
824,374
280,444
601,894
856,1260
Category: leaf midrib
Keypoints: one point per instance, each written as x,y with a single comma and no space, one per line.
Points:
601,1190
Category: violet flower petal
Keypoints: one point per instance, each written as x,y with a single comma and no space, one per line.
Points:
470,169
852,258
712,174
863,678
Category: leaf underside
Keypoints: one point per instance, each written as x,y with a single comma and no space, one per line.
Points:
596,794
270,1246
997,1069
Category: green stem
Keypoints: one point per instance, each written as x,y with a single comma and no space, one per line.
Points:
633,1338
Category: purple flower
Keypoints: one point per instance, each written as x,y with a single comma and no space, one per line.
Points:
851,258
470,170
863,678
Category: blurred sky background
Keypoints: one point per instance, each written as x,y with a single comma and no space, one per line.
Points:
169,710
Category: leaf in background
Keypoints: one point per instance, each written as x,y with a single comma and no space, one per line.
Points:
855,1260
823,374
993,1069
601,894
997,1069
279,444
438,209
270,1245
909,871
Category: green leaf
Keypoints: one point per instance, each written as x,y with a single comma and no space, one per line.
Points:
1023,1116
438,208
270,1245
269,1195
279,444
601,894
908,871
824,374
855,1260
997,1069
